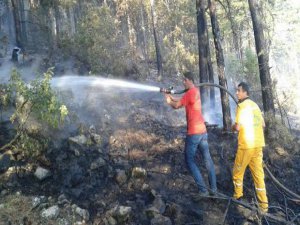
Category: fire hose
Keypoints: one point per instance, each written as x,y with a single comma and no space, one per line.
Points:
170,90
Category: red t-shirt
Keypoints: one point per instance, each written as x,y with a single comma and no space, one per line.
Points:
192,102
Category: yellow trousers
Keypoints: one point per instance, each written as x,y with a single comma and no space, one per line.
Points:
253,158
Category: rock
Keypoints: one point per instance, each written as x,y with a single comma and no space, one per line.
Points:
74,176
98,163
36,201
50,213
76,192
79,223
145,187
4,162
152,212
111,221
96,138
138,172
159,204
161,220
80,140
42,173
63,221
280,151
121,177
92,129
77,144
4,192
83,213
122,213
62,200
1,206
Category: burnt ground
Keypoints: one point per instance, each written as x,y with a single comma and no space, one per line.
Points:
146,134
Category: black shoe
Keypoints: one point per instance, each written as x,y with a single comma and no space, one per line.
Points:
239,198
201,195
217,194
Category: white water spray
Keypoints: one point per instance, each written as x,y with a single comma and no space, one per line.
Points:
89,81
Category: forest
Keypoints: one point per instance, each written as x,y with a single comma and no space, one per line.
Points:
87,137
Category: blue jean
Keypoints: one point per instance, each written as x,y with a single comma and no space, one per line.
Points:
192,144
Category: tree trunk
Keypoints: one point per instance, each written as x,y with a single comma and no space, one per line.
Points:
145,40
202,48
72,20
57,23
23,23
263,60
131,30
156,39
212,97
17,19
221,65
234,30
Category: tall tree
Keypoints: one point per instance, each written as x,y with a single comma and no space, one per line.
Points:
234,29
211,75
156,38
263,59
17,20
202,48
145,38
220,64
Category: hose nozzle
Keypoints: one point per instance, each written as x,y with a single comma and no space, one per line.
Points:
168,90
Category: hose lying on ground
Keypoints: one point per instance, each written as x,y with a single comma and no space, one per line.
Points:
292,194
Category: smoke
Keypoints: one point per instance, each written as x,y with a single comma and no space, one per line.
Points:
215,116
93,100
110,104
28,69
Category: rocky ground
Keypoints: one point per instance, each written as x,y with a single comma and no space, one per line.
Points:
121,161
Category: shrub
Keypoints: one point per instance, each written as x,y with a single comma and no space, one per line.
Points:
36,110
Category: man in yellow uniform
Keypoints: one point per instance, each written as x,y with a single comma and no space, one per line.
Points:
249,123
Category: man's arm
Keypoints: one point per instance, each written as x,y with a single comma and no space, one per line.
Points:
236,125
175,103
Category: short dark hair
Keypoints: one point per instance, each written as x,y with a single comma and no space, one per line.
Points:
245,87
189,75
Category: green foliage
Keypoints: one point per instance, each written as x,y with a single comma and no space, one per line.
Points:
247,70
250,67
36,109
233,67
97,42
179,29
179,58
37,99
4,96
278,133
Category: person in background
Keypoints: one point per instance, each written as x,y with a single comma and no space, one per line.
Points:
249,124
196,138
15,54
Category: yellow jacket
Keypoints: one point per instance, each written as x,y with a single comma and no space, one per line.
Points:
250,121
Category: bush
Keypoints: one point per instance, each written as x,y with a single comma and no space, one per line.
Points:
278,134
36,110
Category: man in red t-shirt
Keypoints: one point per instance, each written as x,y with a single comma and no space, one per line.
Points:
196,137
